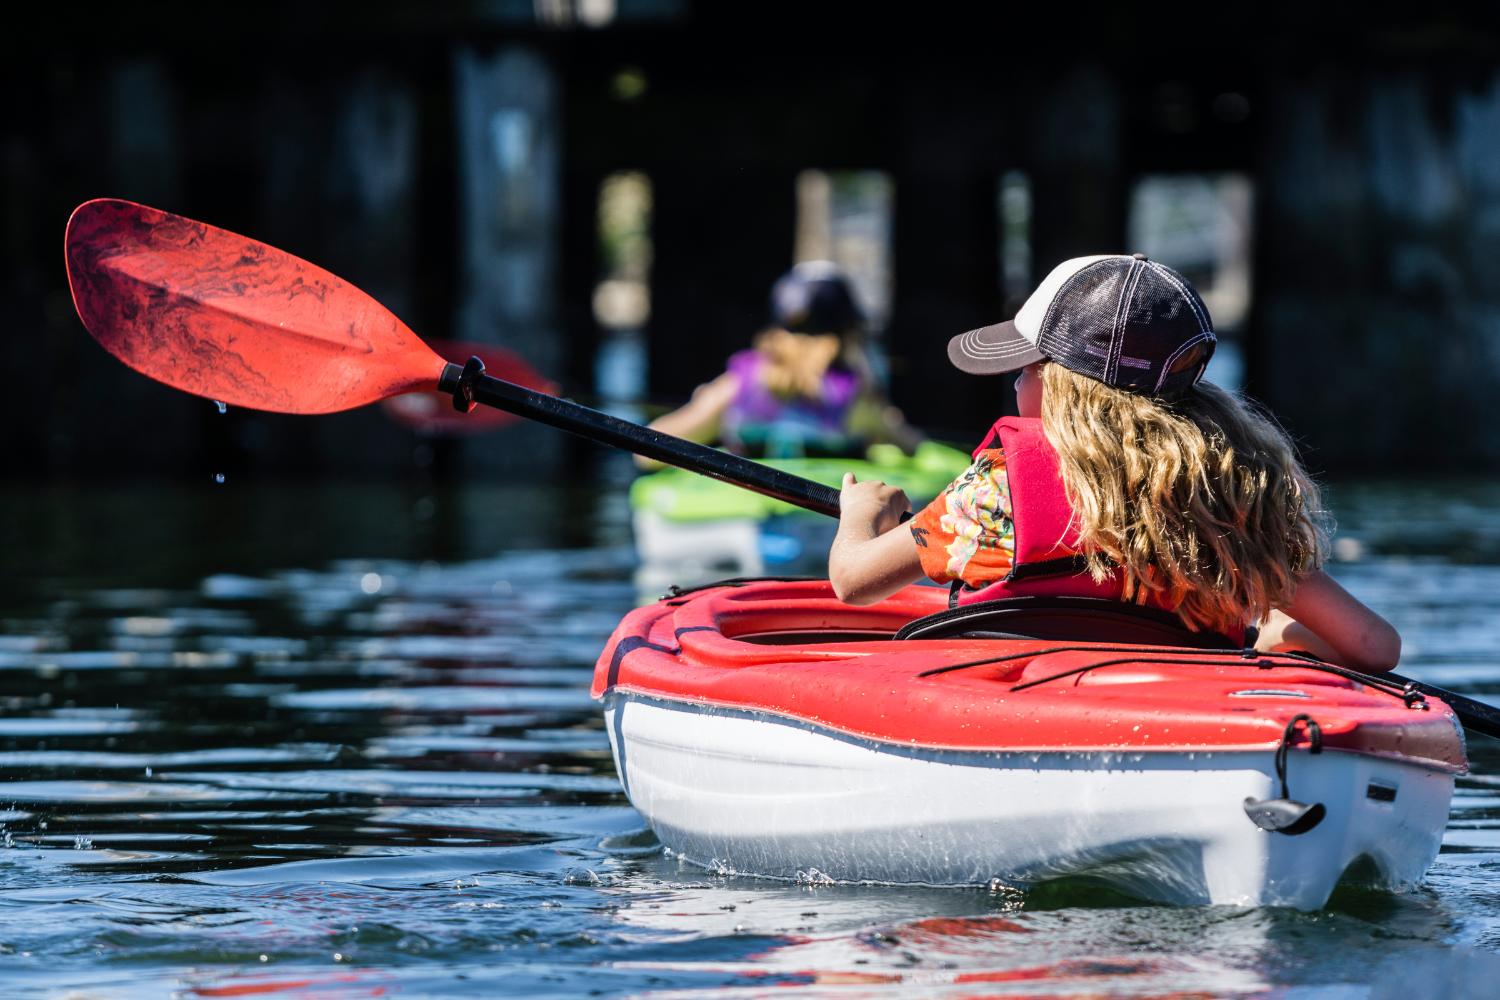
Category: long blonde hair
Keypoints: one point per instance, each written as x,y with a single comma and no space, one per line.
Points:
798,361
1199,498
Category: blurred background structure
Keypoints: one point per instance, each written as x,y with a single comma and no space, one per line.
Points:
609,188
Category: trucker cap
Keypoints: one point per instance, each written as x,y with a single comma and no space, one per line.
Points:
1124,320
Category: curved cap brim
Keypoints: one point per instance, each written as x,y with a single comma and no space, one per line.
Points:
993,350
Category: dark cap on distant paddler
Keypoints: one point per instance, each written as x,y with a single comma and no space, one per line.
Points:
815,297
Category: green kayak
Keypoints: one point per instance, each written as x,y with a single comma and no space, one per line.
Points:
677,495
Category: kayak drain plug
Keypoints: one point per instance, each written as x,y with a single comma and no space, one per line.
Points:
1286,814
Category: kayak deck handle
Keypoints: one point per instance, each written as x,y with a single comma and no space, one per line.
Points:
1287,815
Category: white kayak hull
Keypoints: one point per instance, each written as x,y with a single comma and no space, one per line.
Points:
759,794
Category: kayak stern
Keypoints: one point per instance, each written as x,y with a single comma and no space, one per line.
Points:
735,791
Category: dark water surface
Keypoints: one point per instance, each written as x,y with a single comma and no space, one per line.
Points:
336,742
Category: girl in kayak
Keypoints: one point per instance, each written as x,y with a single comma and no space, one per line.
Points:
1124,477
804,388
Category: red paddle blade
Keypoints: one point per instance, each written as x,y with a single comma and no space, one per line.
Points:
431,414
228,318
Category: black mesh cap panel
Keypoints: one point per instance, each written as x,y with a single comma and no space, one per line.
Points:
1126,322
1078,331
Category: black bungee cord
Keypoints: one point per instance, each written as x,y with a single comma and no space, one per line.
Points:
1408,693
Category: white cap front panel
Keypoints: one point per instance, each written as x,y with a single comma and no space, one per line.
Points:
1029,319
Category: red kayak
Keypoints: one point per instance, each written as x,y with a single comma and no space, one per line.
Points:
765,727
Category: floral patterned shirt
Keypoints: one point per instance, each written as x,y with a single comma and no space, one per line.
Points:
968,533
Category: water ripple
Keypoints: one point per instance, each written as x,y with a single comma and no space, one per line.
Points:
385,777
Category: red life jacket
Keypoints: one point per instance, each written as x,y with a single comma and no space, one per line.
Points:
1048,558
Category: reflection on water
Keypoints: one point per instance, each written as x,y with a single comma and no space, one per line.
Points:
227,776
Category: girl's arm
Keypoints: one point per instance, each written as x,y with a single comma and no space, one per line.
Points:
874,554
698,419
1328,621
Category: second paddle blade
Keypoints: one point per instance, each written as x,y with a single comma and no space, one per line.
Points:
225,317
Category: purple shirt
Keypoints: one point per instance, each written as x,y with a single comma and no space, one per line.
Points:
755,404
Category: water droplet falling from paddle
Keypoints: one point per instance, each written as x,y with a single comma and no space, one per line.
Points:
219,477
223,407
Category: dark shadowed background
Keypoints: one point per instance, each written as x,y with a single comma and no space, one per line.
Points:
452,159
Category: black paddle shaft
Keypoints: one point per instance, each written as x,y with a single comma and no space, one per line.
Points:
470,385
1475,715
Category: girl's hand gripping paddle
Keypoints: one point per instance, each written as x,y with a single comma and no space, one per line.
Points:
228,318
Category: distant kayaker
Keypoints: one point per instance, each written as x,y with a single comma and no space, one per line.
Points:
805,388
1126,476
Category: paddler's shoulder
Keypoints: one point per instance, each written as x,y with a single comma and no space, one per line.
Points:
988,461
